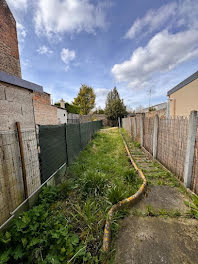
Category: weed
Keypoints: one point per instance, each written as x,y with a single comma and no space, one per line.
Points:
115,194
130,175
193,212
93,183
137,144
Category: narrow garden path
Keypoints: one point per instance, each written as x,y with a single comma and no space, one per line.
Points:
67,223
160,228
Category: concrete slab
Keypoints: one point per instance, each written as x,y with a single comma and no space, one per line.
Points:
163,197
154,240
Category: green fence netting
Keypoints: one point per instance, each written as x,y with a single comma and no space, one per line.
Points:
53,152
61,144
73,141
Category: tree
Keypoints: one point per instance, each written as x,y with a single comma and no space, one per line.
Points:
114,106
85,99
99,111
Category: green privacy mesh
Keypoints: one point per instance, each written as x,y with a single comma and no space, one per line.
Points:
62,143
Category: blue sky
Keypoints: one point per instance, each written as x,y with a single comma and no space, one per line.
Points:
135,45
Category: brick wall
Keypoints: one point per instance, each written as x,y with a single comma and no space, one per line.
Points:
45,113
9,54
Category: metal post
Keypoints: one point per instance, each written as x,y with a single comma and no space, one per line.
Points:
66,148
22,159
155,136
80,135
119,123
192,130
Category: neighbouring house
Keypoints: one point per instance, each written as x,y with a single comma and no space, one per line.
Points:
159,109
46,113
183,98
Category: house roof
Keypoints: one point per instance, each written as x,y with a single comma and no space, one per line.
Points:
191,78
7,78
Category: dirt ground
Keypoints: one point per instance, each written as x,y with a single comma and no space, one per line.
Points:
167,236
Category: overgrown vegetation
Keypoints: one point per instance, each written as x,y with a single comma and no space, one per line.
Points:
67,224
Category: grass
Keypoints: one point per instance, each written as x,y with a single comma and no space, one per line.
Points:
66,226
153,212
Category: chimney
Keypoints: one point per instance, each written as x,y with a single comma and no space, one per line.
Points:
62,103
9,53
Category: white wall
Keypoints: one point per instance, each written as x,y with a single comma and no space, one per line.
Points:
62,115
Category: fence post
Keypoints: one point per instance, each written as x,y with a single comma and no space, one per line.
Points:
22,159
131,124
66,148
155,135
192,129
141,130
80,135
135,128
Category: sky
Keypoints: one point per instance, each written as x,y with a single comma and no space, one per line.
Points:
142,47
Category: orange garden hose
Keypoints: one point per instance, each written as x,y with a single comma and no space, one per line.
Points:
129,200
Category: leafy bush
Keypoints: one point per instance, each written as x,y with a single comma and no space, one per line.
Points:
38,236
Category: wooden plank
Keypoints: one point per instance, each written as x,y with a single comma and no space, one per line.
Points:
22,159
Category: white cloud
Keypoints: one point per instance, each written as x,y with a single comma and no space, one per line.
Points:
59,16
175,43
176,14
17,4
21,32
152,20
67,56
163,52
44,50
101,95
